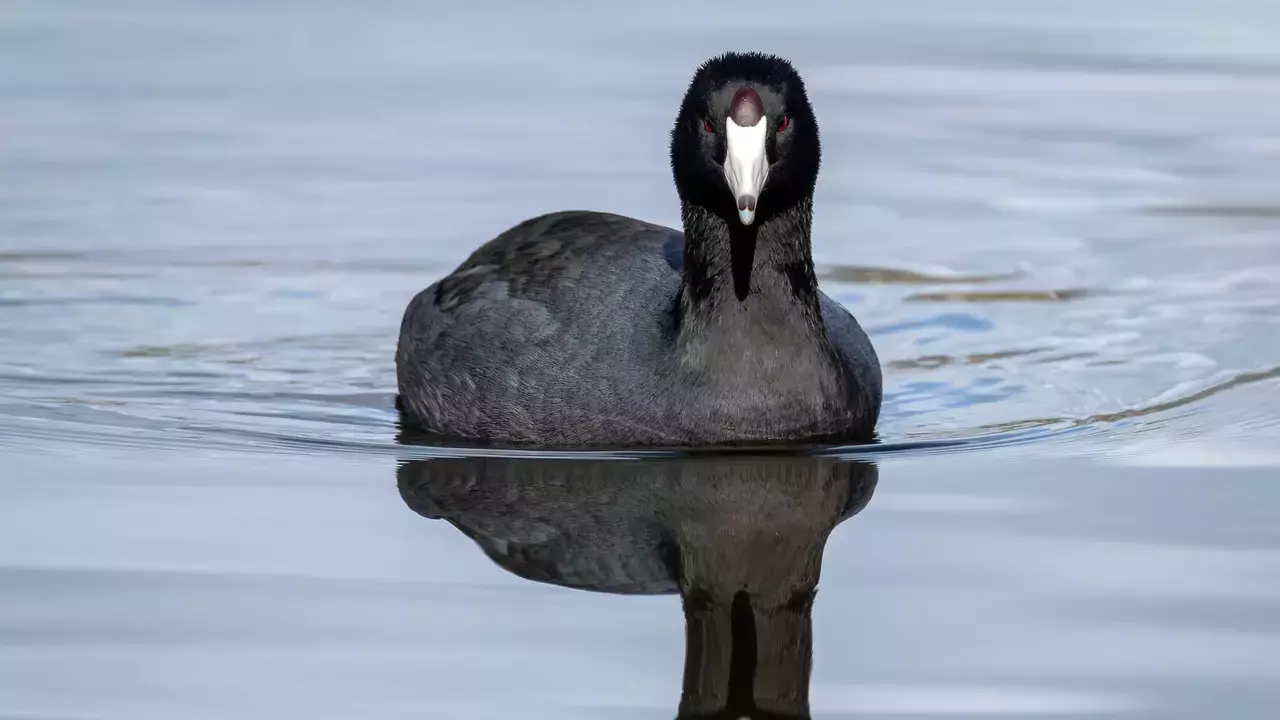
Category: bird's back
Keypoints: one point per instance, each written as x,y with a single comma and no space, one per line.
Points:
546,334
563,330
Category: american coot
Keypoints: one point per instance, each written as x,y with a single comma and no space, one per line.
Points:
593,329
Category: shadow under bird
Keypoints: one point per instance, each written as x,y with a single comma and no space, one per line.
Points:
592,329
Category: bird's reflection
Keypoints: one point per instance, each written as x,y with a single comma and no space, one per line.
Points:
739,537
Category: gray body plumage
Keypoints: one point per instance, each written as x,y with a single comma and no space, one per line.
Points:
565,330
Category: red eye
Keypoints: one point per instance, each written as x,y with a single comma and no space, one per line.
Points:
706,125
784,123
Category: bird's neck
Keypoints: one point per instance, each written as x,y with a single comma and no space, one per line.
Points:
752,284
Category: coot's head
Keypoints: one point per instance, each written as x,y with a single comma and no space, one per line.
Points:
745,144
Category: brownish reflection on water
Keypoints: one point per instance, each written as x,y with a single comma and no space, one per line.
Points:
739,537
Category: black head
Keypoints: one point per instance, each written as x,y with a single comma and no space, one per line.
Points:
745,144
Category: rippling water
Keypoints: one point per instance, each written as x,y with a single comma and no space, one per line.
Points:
1058,224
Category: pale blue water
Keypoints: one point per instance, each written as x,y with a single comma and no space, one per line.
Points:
1059,225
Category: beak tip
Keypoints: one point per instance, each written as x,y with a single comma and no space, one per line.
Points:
746,209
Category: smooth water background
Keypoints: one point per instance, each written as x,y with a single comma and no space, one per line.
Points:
1058,221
